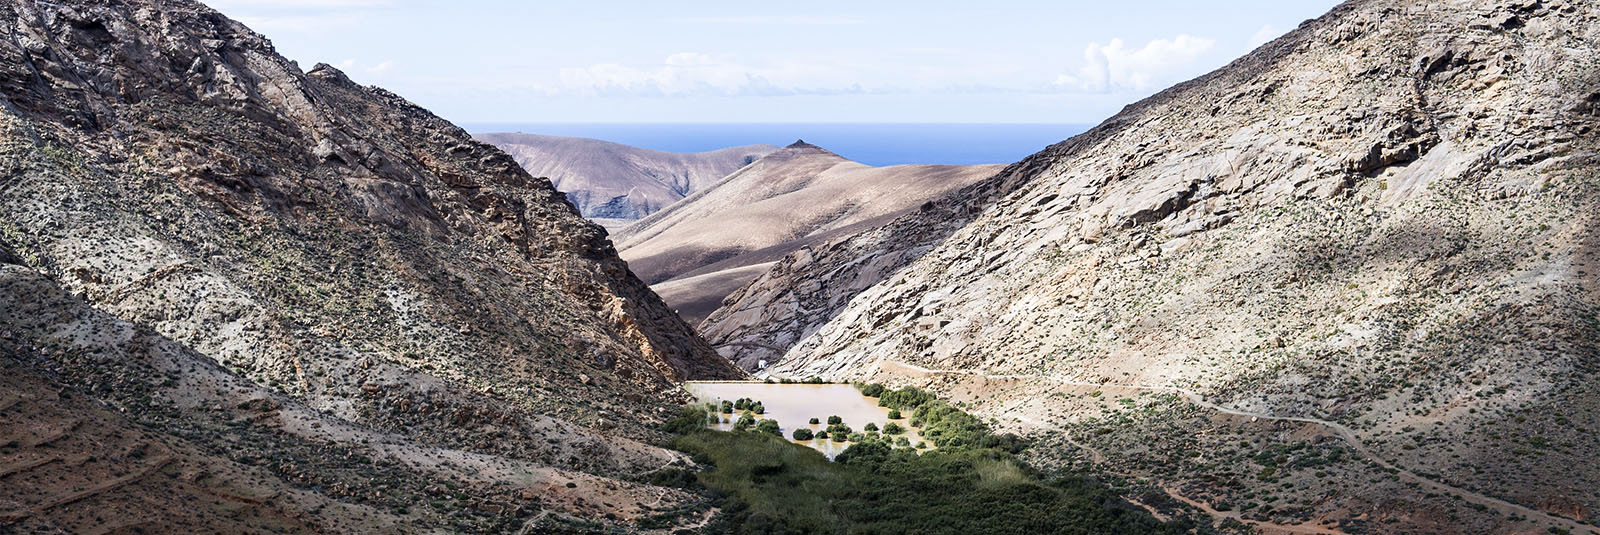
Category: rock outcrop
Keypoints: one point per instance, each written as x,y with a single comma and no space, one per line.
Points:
615,184
1382,224
698,251
184,202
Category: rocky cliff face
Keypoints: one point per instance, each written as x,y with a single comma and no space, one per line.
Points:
360,258
1372,239
615,184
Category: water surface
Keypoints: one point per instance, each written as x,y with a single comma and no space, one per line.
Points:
794,405
868,143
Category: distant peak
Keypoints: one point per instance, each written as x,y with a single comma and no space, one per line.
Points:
801,144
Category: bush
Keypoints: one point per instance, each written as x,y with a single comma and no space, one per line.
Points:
870,390
802,434
870,426
727,407
814,380
840,429
892,428
758,408
688,420
906,398
769,427
894,414
857,437
744,423
815,421
839,437
902,442
835,420
822,434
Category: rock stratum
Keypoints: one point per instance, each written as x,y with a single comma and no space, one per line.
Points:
615,184
694,253
261,299
1346,284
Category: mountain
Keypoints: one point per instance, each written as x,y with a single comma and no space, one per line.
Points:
1347,282
294,302
697,251
615,184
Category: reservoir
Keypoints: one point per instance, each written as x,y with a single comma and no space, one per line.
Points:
794,405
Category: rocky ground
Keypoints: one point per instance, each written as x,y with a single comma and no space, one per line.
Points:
1382,222
208,240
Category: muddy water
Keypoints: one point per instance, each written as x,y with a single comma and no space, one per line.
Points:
793,406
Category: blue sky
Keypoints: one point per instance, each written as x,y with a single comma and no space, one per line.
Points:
930,61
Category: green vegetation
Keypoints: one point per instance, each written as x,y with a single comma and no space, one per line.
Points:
767,485
802,434
815,421
758,408
769,427
894,414
835,420
892,428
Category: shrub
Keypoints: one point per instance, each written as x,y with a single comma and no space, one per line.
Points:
839,429
870,426
758,408
769,427
727,407
906,398
839,437
857,437
814,380
815,421
688,420
835,420
902,442
744,423
892,428
822,434
803,434
894,414
870,390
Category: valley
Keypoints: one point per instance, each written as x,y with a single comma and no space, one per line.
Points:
1346,284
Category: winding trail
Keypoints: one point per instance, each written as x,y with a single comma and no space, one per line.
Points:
1344,433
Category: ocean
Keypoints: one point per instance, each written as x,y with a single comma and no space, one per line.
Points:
872,144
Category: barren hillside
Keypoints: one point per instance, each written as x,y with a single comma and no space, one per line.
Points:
1347,283
697,251
615,184
312,283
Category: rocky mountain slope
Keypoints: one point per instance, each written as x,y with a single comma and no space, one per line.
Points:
308,283
1346,284
697,251
615,184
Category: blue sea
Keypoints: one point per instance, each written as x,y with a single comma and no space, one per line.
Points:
872,144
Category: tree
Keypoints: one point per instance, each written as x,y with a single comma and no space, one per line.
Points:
894,414
805,434
892,428
902,442
835,420
770,427
857,437
870,426
758,408
744,423
727,407
839,437
822,434
815,421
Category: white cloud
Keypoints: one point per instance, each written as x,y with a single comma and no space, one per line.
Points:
798,20
1115,67
696,74
1263,35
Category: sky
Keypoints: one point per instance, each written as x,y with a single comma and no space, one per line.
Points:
883,61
